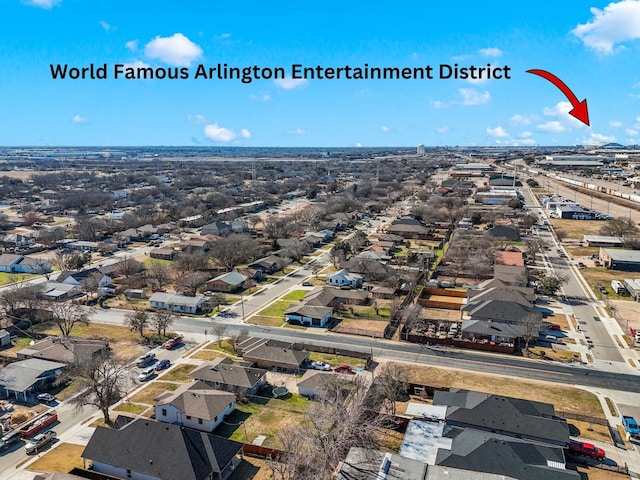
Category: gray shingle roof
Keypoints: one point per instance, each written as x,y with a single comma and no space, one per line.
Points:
198,400
161,450
19,376
226,371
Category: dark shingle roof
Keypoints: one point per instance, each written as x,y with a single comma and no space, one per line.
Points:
226,371
501,311
161,450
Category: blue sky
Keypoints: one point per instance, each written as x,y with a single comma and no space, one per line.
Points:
592,45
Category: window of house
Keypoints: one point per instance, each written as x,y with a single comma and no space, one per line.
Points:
199,421
164,412
128,473
188,417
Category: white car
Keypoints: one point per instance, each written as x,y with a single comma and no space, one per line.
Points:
146,374
321,366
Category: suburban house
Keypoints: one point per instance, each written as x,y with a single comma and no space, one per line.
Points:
225,374
506,293
85,278
20,379
18,240
335,297
69,350
219,229
343,277
83,245
313,382
150,450
194,246
195,405
501,311
163,253
489,434
603,241
265,353
177,303
409,227
268,265
227,282
308,315
511,275
11,263
503,232
59,291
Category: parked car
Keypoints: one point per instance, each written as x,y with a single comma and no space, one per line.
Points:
39,441
46,397
146,359
321,366
9,439
631,426
172,343
162,364
586,449
307,283
344,368
146,374
543,299
581,265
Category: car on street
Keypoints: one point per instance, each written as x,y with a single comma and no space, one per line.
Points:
307,283
162,364
631,426
146,359
321,366
46,397
587,449
173,342
581,265
146,374
9,439
39,441
344,368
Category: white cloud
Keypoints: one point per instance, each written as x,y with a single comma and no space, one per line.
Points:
518,119
618,22
615,123
105,26
497,132
561,111
385,129
244,133
525,135
597,138
634,95
298,131
437,104
197,119
176,50
358,144
471,96
263,97
631,132
491,52
132,45
290,83
78,119
552,126
224,36
219,134
443,130
46,4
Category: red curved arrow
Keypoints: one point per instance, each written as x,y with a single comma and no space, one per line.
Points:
579,109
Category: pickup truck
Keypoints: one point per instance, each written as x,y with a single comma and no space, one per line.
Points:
586,449
631,426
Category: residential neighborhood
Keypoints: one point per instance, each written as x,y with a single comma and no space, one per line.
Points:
427,318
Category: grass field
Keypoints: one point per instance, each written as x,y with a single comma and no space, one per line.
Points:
335,360
266,321
576,229
603,276
295,295
179,373
276,309
63,458
151,391
207,355
7,278
566,399
131,408
575,252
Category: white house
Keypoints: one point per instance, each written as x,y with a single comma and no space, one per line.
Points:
83,278
177,303
344,277
195,405
11,263
309,315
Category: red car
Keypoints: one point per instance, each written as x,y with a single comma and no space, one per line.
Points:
344,368
587,449
174,342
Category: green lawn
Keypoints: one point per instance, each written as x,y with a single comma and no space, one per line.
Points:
179,373
295,295
7,278
363,312
131,408
266,321
276,309
335,360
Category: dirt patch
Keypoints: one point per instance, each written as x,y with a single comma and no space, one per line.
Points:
376,326
576,229
151,391
559,318
627,311
251,468
179,373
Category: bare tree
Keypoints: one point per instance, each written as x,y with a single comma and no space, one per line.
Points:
532,324
137,321
159,274
619,227
128,266
340,419
67,315
219,331
393,378
101,382
190,283
66,260
161,320
91,284
561,234
234,249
